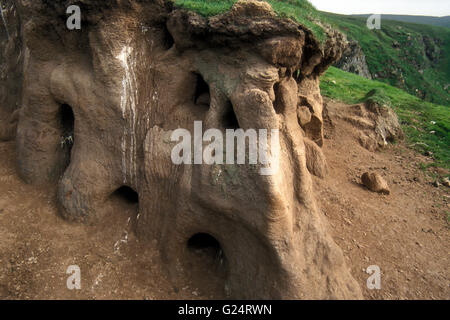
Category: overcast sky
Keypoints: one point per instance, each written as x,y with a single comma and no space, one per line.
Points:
408,7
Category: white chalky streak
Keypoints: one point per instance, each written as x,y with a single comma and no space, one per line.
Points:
128,107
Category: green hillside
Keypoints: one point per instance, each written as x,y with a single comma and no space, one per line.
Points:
409,56
426,125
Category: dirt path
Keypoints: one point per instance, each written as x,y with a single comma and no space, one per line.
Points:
406,234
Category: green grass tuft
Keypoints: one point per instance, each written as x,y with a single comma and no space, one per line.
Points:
206,8
378,96
300,11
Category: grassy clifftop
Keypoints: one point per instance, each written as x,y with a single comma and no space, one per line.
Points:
298,10
413,57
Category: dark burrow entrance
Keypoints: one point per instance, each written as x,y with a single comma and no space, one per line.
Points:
126,195
278,106
168,41
206,262
67,123
122,208
229,119
202,96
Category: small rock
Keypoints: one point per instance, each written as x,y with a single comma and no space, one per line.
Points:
374,182
446,182
436,184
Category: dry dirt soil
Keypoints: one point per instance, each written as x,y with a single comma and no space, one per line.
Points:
405,233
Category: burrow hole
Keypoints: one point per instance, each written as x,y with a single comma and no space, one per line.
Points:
168,40
127,195
67,122
121,209
278,106
202,95
209,254
230,120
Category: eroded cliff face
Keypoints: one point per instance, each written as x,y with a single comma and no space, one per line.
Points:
11,69
354,60
99,106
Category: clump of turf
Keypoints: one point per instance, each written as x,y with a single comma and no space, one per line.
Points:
378,96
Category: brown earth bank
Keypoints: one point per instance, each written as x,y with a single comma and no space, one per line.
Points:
100,113
404,233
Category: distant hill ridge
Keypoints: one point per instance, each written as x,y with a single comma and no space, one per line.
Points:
428,20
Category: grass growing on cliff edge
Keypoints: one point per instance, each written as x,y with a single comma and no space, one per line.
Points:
426,125
206,8
298,10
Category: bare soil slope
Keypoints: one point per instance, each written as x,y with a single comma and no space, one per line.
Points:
406,233
37,247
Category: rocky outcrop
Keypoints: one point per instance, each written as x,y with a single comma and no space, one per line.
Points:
354,60
100,104
432,49
446,182
387,127
375,125
376,183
